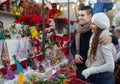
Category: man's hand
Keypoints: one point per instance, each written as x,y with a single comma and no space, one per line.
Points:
78,59
105,39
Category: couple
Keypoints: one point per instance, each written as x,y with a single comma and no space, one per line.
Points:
92,48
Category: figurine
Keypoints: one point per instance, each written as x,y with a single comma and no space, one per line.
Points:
17,63
35,63
6,63
41,69
20,78
29,58
10,75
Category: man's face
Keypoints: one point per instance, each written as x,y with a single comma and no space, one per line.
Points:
84,17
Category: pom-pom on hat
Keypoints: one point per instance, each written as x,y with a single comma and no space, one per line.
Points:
101,20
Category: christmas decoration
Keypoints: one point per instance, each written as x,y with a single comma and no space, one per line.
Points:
6,63
29,58
33,20
17,63
41,68
6,4
34,32
20,78
10,75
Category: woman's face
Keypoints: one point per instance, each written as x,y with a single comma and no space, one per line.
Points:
93,26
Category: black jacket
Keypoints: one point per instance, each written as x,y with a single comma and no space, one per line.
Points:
84,44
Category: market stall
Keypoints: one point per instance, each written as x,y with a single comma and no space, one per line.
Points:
34,47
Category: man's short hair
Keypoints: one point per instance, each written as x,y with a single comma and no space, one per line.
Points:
88,9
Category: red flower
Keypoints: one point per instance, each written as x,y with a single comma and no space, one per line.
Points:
54,5
32,20
63,21
6,3
71,22
53,12
31,8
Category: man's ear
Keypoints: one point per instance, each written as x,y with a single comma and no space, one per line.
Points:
90,15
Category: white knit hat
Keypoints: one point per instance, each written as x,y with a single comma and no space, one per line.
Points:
101,20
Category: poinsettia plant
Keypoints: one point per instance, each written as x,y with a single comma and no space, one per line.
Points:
32,20
63,21
30,7
55,13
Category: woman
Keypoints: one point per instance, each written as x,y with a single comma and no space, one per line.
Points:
100,62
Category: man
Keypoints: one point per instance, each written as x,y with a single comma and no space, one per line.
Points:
80,42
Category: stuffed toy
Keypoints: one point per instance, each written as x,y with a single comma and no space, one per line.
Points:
34,32
17,63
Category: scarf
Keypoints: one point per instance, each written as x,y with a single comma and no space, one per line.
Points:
80,29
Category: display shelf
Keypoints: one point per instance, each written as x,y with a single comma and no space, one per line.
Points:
8,13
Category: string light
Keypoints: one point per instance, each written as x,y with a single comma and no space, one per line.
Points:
51,1
37,0
75,1
61,8
73,6
65,8
78,3
58,7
